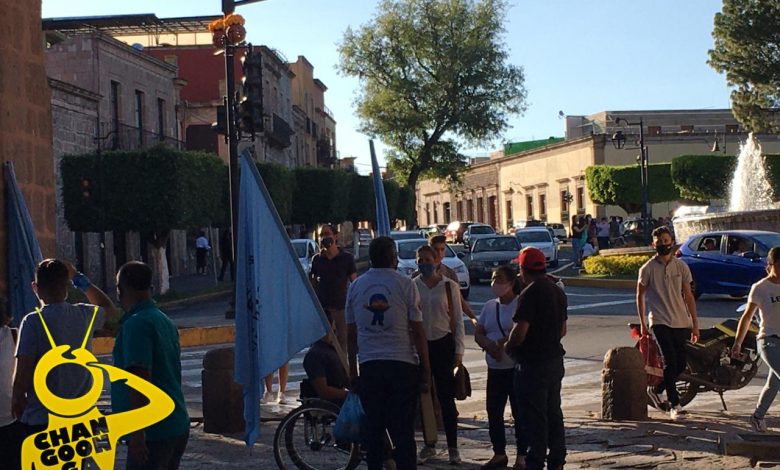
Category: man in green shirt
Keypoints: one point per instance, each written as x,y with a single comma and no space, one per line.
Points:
148,346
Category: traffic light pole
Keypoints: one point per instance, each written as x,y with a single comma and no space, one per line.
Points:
230,114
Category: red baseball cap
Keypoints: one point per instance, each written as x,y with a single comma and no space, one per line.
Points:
532,258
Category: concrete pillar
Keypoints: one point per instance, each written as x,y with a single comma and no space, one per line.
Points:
223,405
623,385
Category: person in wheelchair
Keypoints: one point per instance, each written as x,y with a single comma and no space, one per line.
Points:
326,378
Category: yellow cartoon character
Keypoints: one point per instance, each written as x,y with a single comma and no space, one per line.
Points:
79,435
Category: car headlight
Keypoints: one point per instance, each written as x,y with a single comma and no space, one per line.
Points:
461,269
409,271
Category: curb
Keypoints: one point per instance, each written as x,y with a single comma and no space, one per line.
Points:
188,337
196,299
602,283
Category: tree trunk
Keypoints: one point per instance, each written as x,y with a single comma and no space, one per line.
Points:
414,175
161,273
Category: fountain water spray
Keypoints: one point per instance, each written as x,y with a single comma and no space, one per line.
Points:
750,189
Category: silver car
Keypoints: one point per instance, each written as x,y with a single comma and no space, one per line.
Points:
305,249
489,253
539,237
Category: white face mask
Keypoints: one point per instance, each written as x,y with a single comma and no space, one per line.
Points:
499,290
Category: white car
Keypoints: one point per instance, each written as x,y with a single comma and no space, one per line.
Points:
305,249
407,262
540,237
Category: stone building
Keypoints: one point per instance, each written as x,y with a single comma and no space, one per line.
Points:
315,126
545,180
25,122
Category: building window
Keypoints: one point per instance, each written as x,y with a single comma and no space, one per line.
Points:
480,210
529,207
509,218
470,210
435,213
543,206
114,103
428,213
564,202
447,213
732,128
459,210
581,199
139,115
160,118
653,130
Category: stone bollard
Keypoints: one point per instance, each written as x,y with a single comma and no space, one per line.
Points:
223,402
623,385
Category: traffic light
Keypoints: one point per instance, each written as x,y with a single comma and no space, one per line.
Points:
250,109
220,127
86,188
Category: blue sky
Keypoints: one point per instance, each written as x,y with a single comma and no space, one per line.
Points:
580,57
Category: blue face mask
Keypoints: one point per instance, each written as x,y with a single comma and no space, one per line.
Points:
426,269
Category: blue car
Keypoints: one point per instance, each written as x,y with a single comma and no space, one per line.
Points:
727,262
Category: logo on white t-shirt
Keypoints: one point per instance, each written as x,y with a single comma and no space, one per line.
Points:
378,305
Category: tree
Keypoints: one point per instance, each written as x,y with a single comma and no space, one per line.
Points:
321,195
620,185
704,177
151,191
433,75
281,184
747,50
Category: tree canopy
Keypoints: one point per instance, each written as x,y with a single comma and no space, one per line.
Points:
621,185
702,178
747,50
434,75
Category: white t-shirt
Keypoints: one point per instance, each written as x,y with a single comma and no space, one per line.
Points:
7,360
588,250
487,318
435,311
381,303
603,229
766,294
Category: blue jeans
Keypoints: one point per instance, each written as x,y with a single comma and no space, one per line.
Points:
538,391
769,349
576,248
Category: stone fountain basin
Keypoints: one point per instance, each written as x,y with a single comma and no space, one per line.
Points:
768,220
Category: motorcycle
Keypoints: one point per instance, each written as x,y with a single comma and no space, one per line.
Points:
711,367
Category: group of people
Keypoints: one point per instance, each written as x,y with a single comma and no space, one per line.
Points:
146,346
406,336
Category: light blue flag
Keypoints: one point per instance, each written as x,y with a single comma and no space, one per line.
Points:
382,217
24,253
277,312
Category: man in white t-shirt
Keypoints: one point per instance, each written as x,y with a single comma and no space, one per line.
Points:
386,336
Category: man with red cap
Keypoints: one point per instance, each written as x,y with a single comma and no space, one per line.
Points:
535,344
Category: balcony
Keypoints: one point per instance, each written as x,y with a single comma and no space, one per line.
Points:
325,154
279,132
124,137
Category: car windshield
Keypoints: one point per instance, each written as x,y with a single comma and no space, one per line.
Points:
769,241
533,237
300,249
408,249
496,244
481,230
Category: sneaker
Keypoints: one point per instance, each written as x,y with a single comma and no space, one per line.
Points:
498,461
677,413
655,398
454,455
425,453
266,398
281,399
758,424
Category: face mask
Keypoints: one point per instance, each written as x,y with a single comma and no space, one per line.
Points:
327,242
663,250
499,290
426,269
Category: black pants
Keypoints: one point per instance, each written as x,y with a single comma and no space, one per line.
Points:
11,438
225,263
672,343
500,387
603,242
389,391
538,389
442,356
200,259
163,455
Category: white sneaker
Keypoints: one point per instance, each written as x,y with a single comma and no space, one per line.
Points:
266,399
454,455
425,453
758,424
281,399
677,413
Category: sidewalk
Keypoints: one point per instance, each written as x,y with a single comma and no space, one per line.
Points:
591,443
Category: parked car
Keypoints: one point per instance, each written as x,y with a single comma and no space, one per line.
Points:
559,231
490,252
476,231
634,233
365,236
305,249
435,229
727,262
407,262
454,231
407,235
540,237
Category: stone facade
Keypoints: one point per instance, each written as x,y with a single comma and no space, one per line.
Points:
25,121
275,143
315,140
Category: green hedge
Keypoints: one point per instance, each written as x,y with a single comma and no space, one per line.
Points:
281,184
320,195
623,265
621,185
704,177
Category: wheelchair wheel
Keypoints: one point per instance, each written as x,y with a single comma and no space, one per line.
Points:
304,440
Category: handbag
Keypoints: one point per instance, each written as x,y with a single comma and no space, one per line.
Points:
351,420
462,383
653,358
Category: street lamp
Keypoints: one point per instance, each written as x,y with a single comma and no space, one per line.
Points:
619,141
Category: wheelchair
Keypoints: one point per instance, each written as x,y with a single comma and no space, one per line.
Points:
304,438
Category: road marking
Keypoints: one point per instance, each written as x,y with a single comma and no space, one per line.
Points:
570,294
565,266
601,304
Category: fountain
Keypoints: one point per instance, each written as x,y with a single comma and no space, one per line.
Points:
750,200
